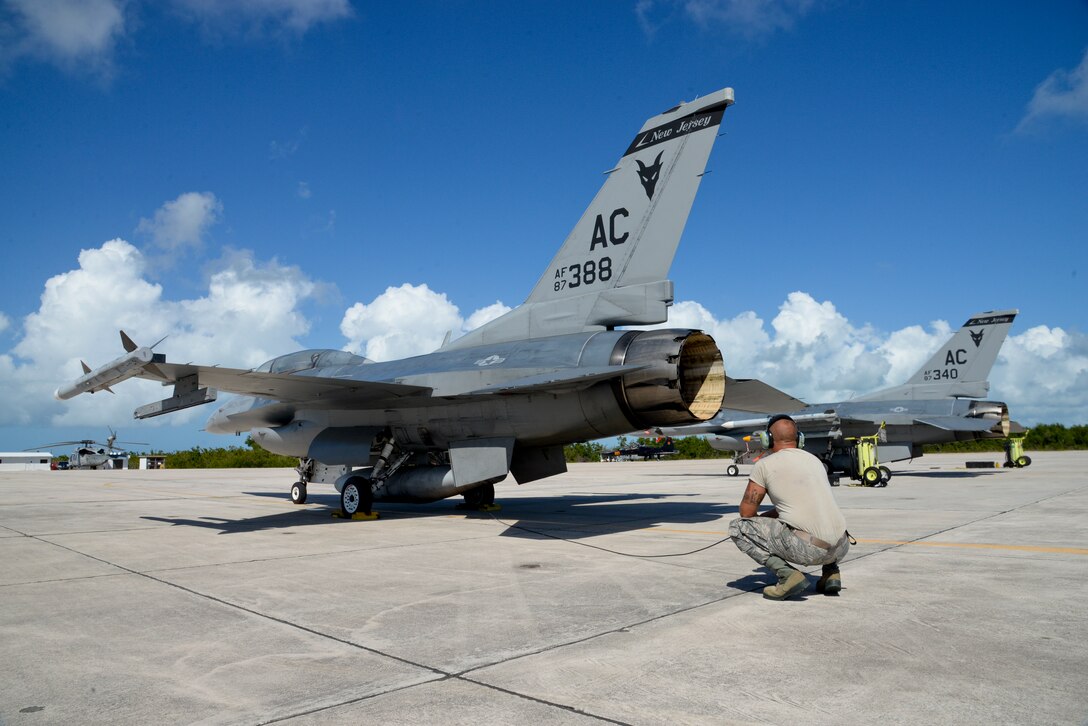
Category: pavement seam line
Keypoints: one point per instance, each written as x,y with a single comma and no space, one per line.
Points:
244,609
462,675
443,675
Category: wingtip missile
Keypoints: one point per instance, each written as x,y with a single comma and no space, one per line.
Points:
112,373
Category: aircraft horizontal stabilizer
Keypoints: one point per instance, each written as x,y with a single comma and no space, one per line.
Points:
752,394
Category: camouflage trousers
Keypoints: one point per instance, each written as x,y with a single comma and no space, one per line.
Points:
761,537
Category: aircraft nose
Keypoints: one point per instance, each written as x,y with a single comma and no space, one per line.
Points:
218,423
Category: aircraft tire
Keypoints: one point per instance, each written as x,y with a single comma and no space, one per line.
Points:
870,477
885,475
355,496
732,470
298,492
1022,461
480,496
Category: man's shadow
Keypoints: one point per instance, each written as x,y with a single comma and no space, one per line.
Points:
761,578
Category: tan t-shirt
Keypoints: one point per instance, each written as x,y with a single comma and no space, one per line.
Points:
796,482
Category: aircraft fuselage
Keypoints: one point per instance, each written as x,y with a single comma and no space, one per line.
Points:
539,392
908,424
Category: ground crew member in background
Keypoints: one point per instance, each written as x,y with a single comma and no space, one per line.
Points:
805,525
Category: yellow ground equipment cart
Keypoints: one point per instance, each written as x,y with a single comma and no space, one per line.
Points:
1014,452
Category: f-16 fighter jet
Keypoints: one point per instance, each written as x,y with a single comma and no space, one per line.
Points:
507,396
938,404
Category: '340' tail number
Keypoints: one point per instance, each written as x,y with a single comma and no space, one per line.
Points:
585,273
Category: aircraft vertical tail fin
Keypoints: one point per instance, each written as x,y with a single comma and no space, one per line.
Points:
960,367
612,269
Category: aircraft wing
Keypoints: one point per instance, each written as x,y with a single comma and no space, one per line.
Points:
957,423
195,385
287,387
755,396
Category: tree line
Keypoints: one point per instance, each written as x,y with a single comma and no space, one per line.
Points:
250,456
1044,437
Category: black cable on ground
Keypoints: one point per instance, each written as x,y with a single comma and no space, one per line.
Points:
605,549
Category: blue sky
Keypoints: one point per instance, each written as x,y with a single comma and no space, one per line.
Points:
258,176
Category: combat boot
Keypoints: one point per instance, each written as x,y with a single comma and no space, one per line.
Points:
830,581
790,581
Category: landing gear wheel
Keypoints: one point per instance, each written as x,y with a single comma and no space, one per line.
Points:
732,470
1022,461
870,477
298,492
356,496
885,476
480,496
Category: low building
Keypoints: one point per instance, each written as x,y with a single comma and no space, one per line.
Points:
25,461
152,462
116,461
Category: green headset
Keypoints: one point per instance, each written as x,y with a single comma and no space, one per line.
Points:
766,439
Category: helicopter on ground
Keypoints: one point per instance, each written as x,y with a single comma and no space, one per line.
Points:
91,454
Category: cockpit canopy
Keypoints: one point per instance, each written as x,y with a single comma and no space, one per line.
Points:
314,358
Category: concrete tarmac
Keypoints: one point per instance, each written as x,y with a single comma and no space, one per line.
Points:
135,597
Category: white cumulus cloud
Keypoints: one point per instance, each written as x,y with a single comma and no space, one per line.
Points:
182,222
251,311
485,315
249,15
82,36
249,314
72,34
813,352
1064,94
749,18
1042,374
408,320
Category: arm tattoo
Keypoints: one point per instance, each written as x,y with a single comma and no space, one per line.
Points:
753,496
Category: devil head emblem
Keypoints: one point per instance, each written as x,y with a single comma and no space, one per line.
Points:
648,175
976,338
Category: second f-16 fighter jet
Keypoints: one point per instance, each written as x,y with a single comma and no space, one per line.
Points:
507,396
938,404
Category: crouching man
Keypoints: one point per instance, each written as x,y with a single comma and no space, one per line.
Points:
804,526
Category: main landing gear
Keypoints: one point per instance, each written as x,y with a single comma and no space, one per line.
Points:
356,497
481,498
